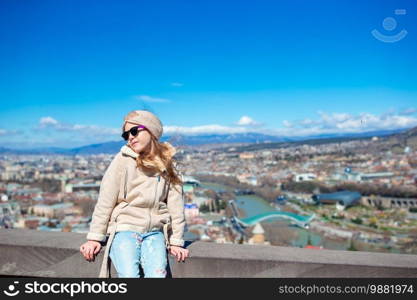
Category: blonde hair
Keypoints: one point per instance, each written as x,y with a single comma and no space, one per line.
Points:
159,159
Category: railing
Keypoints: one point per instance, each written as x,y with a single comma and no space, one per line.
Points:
33,253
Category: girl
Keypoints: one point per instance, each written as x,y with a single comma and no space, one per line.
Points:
140,205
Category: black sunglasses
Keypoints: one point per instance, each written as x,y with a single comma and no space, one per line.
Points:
134,131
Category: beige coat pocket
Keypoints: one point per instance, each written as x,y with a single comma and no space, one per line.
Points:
162,209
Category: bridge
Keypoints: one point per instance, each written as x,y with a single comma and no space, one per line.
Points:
299,220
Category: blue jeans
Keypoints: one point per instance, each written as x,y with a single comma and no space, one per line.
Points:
131,249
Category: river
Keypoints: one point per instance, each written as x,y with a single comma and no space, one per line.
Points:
279,232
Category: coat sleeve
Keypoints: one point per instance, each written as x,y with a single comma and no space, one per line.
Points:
175,205
107,198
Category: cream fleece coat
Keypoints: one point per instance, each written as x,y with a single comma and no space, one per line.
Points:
131,200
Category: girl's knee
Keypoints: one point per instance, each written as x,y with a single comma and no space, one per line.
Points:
156,273
155,265
128,274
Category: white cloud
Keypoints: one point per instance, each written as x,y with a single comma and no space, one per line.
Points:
84,130
327,123
47,121
247,121
324,123
307,122
177,84
7,132
147,98
330,120
348,123
204,129
408,111
96,130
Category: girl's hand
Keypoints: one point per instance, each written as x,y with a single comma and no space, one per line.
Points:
180,253
89,250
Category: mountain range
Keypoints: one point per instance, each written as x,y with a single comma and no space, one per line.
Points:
399,136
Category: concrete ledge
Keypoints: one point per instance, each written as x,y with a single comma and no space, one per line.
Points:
34,253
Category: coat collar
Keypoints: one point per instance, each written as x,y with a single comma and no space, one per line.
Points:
126,150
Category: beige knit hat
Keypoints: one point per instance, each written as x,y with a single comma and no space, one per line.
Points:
147,119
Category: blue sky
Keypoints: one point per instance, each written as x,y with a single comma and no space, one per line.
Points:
70,70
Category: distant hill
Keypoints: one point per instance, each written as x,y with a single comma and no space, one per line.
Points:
226,138
45,150
255,141
398,141
106,148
